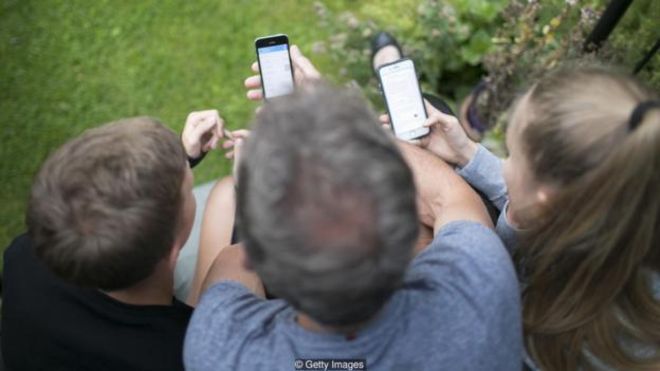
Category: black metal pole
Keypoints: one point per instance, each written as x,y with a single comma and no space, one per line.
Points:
606,24
647,57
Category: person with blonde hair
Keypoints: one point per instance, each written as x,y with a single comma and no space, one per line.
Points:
580,213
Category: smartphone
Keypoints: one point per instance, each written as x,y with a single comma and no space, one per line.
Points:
403,99
274,65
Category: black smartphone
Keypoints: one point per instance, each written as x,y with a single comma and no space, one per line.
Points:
403,98
274,65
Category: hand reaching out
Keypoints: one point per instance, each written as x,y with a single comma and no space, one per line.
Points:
202,131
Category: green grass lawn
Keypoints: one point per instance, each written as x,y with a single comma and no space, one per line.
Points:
69,65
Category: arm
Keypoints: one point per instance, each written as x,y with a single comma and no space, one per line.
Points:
484,172
443,196
215,234
231,265
477,165
219,213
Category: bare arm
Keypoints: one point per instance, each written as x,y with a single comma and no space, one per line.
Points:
442,195
231,264
217,226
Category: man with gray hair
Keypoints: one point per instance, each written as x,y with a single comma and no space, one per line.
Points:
329,212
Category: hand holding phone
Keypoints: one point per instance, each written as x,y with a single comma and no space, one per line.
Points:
303,70
403,98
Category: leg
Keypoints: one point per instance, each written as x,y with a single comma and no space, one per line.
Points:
216,231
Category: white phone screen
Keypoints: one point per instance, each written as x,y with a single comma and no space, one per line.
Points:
404,101
275,68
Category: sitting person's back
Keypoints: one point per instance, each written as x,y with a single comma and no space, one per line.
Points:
48,324
90,286
327,209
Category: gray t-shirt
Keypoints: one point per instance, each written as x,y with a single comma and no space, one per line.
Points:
458,309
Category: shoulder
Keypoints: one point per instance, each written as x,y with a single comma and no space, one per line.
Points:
465,284
466,250
18,247
468,271
227,314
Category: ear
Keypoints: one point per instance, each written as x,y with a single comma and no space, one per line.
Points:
544,195
173,255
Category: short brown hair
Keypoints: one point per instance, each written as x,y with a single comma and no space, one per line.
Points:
104,207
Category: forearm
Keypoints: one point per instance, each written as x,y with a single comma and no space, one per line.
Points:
443,196
463,204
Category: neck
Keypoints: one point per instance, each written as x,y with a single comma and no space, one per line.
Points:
156,289
308,323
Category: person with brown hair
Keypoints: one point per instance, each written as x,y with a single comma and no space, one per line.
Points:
580,211
90,286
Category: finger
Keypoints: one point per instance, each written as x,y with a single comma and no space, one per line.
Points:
228,144
255,94
237,150
207,147
220,127
241,133
206,124
415,142
229,155
210,145
384,118
214,142
253,82
386,126
431,121
302,63
430,109
255,67
192,120
443,120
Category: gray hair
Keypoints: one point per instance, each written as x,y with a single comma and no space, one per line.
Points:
326,205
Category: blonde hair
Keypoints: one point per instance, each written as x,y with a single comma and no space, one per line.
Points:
587,262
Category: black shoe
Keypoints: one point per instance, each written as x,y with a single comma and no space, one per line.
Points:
381,40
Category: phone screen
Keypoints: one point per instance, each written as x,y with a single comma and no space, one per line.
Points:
403,99
275,68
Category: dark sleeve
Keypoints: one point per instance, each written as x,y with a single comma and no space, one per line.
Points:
194,161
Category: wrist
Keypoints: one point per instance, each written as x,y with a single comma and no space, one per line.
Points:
193,161
466,154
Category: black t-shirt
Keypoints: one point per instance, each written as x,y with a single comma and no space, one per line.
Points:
48,324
